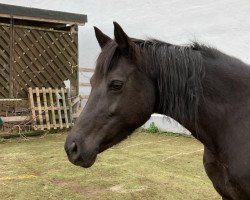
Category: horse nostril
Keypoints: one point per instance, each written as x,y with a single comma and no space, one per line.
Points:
73,148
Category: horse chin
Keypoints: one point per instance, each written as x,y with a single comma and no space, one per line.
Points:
89,163
85,163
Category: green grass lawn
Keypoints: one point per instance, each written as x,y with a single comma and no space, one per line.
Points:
146,166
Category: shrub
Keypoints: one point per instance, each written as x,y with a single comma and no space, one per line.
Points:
152,128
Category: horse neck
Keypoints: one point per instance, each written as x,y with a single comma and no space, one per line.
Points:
226,80
226,89
176,72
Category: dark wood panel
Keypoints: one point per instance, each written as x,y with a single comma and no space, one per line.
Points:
66,55
4,61
58,50
30,49
36,58
47,54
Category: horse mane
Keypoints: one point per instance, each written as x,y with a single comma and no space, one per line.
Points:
178,73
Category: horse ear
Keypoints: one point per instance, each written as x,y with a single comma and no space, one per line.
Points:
101,37
121,38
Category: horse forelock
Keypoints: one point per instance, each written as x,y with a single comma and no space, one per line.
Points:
106,58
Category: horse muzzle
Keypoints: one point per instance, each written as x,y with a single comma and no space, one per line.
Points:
78,155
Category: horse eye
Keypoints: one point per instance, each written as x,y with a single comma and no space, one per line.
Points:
116,85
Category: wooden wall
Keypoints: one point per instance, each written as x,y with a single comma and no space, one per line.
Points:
5,35
36,57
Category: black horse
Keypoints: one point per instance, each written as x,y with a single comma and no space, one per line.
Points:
205,90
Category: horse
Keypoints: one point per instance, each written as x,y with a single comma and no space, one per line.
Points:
202,88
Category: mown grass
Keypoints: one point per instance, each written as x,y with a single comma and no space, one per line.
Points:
146,166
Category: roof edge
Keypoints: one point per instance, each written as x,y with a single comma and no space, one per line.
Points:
36,14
